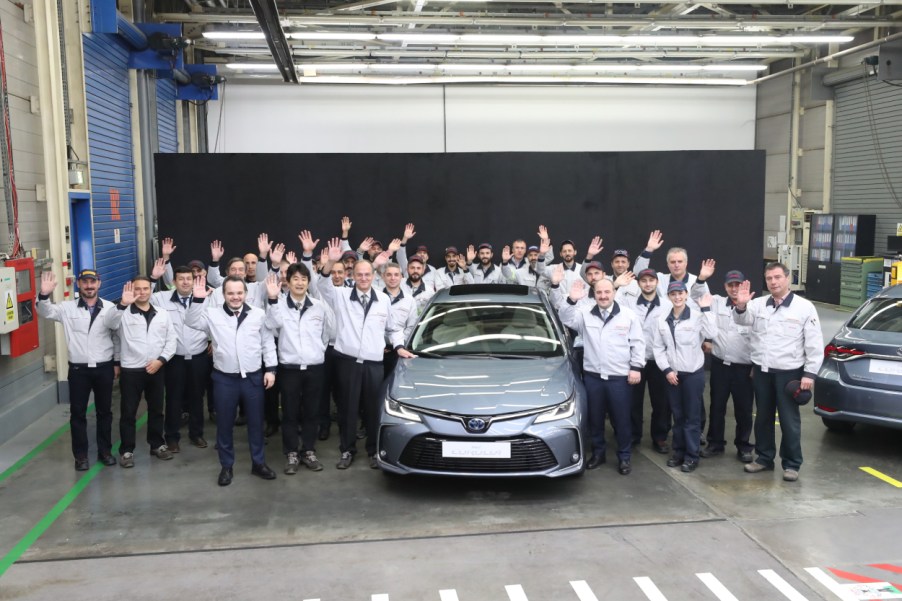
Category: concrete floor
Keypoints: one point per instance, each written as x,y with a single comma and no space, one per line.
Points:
164,528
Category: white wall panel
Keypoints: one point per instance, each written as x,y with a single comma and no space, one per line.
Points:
268,118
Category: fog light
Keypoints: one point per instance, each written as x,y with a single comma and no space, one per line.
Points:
574,457
382,453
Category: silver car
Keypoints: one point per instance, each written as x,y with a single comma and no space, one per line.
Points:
861,378
493,391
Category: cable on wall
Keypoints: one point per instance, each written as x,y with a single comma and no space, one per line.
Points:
872,122
6,153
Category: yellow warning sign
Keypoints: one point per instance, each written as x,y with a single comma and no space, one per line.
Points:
10,312
9,300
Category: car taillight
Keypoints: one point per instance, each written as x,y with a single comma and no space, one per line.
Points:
841,352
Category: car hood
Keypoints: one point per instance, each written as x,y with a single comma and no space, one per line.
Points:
474,386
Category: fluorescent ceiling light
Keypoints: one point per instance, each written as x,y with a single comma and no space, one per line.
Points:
500,69
252,66
607,40
234,35
331,35
443,79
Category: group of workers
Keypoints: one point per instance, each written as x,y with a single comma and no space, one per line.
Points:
273,339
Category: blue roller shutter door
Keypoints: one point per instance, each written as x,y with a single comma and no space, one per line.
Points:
167,134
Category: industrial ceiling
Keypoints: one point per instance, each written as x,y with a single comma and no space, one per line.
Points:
582,42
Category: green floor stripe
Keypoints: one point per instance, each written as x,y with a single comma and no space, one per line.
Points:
35,451
41,527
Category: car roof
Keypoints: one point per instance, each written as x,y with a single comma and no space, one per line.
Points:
891,292
496,293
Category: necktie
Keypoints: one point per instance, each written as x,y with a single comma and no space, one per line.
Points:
604,315
364,300
237,313
184,301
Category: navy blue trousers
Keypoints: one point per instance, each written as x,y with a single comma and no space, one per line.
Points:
726,381
613,397
686,401
772,399
228,391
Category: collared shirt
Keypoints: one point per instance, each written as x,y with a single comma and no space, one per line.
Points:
303,330
526,275
733,341
240,344
493,275
420,294
649,313
361,332
678,342
145,336
696,289
404,312
190,342
612,347
784,338
89,334
256,295
445,278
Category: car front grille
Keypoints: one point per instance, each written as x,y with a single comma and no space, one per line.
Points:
528,454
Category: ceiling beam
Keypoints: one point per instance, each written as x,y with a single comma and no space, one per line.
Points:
268,17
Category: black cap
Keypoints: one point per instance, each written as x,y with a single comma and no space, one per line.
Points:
795,392
348,254
485,245
621,253
88,274
734,276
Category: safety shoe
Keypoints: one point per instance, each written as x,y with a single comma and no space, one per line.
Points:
291,466
710,452
345,461
106,459
199,442
174,447
261,470
689,466
755,467
745,456
660,447
624,468
790,475
675,461
374,463
161,452
81,464
127,460
312,462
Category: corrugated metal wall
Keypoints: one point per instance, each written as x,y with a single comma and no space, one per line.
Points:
867,167
112,166
167,132
774,108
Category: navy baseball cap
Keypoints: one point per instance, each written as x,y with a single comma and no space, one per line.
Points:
647,273
794,390
734,276
349,254
88,274
198,264
451,250
422,249
415,259
377,243
532,249
676,287
621,253
594,265
485,245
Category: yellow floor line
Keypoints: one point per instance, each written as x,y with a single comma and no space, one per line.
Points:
882,476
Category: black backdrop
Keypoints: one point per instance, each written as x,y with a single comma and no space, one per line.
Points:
710,202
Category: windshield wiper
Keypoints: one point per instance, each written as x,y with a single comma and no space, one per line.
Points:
428,354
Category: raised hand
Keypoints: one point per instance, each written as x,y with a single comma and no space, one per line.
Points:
394,246
308,244
159,268
505,254
409,232
471,253
276,254
595,247
655,240
366,245
291,257
543,233
345,226
216,250
263,245
557,274
323,257
461,260
273,286
624,279
744,295
705,301
335,250
577,290
200,287
168,247
128,294
48,282
544,246
707,269
381,259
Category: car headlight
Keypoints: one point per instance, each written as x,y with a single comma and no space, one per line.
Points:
562,411
396,409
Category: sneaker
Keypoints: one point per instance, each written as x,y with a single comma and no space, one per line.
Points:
755,467
312,462
790,475
744,456
291,466
345,461
161,452
127,460
374,463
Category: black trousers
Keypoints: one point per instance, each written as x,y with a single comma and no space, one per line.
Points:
359,386
132,384
301,394
727,380
186,381
324,412
82,382
661,418
271,406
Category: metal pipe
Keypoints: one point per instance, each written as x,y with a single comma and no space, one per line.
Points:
146,144
511,54
131,34
829,57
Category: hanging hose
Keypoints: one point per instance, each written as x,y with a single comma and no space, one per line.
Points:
9,178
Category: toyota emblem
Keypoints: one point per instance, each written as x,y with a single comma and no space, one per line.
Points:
476,424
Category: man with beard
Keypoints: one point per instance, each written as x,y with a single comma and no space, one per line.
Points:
244,364
453,273
88,325
414,286
430,276
484,271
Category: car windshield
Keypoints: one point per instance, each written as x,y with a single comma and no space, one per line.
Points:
882,315
506,330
